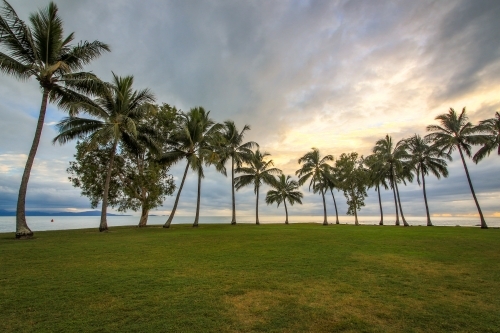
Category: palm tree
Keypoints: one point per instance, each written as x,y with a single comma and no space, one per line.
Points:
238,151
390,160
329,182
196,141
427,158
405,173
42,51
285,189
456,132
316,169
257,172
492,137
115,115
377,175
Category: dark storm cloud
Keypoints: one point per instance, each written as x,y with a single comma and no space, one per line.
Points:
465,48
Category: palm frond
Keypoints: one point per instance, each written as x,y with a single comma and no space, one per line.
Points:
15,68
85,83
83,53
16,35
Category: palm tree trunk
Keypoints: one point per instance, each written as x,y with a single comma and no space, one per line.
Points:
171,216
286,212
197,217
336,211
144,216
257,208
233,221
380,204
395,201
22,229
325,222
401,207
104,224
483,222
429,223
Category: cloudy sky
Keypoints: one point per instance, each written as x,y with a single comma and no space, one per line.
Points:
336,75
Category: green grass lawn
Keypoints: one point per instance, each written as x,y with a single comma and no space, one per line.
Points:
247,278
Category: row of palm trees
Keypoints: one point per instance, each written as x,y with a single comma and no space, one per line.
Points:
389,165
41,50
394,163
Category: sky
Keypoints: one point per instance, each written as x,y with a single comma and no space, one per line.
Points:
336,75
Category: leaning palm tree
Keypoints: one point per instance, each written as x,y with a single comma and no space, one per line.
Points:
41,51
257,172
492,137
239,152
390,160
196,141
316,169
331,183
427,158
115,114
377,176
328,182
404,174
456,132
285,189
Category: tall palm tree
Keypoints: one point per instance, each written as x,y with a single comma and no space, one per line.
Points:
238,151
492,137
377,176
427,158
390,160
405,173
41,51
329,182
196,140
457,133
258,172
316,169
285,189
115,114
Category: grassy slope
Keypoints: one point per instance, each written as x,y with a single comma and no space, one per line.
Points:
272,278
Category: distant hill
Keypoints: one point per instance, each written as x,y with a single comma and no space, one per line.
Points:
4,212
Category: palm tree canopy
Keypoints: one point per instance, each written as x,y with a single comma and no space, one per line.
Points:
284,189
115,114
491,128
233,146
314,168
197,140
257,172
455,131
427,158
377,170
42,51
391,160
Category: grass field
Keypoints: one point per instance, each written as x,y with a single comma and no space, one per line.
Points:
247,278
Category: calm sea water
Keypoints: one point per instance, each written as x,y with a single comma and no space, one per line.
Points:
41,223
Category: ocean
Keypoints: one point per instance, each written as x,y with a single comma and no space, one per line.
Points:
42,223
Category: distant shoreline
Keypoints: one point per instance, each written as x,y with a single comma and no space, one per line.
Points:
38,213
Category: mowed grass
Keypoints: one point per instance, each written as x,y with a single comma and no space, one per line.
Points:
247,278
